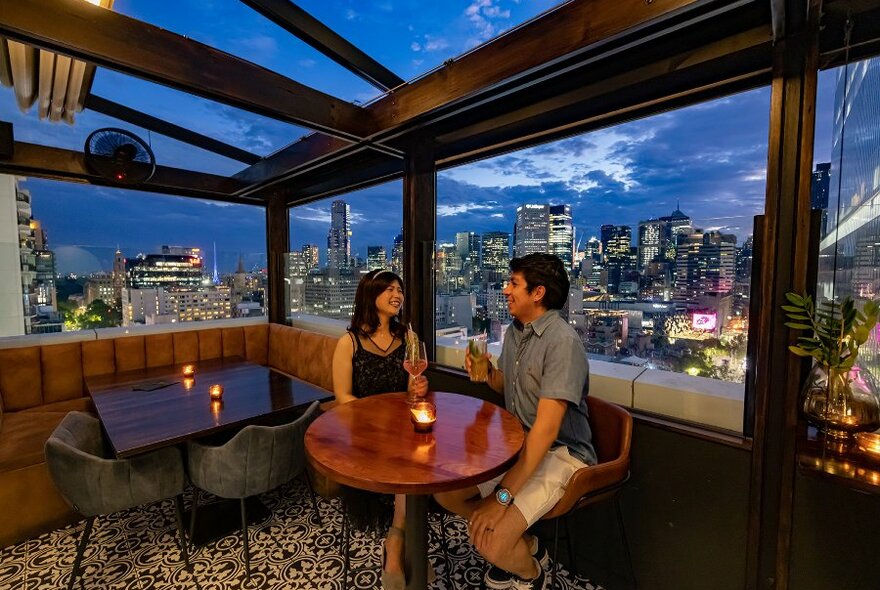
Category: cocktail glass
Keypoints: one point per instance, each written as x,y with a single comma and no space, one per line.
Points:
479,361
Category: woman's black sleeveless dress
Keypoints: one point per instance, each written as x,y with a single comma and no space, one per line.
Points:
372,374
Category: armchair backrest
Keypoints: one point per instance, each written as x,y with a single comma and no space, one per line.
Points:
257,459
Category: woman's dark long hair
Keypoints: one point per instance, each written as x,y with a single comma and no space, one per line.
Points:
365,314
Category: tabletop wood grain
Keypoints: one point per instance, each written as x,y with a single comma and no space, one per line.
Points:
140,421
370,444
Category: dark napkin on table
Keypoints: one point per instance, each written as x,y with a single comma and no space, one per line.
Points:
152,385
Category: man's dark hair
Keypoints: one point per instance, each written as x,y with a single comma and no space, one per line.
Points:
544,270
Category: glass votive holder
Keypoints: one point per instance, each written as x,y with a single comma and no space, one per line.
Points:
189,371
216,392
423,415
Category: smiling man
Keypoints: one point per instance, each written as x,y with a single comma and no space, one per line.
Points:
543,375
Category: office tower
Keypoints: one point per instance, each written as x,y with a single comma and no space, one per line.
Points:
561,238
449,269
183,251
705,263
397,256
339,236
158,305
119,275
330,292
654,238
376,257
164,270
680,226
532,229
617,255
819,190
299,264
455,310
467,244
496,256
100,286
18,263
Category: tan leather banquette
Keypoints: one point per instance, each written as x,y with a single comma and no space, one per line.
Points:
40,384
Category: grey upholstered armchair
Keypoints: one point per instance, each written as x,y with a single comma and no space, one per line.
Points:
95,483
256,460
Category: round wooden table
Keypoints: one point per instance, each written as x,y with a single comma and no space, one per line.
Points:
371,444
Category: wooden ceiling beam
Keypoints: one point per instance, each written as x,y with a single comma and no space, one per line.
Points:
303,25
51,163
106,38
162,127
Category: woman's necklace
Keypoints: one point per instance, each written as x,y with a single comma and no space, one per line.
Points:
384,350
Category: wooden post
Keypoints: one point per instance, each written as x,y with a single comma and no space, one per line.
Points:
277,246
783,264
419,234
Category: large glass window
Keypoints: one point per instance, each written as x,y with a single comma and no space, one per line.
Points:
334,242
653,220
846,189
80,257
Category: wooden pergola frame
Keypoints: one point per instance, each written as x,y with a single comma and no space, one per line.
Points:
584,65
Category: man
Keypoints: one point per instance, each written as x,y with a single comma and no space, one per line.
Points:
543,375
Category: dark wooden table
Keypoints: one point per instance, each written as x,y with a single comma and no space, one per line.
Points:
370,444
139,421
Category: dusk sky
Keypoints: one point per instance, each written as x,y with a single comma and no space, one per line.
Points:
710,157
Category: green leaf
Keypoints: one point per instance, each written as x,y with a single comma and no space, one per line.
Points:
799,351
794,316
793,308
797,326
795,298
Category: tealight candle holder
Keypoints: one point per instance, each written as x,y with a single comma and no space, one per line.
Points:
869,443
216,392
189,371
423,415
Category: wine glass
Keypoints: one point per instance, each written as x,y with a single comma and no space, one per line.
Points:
415,363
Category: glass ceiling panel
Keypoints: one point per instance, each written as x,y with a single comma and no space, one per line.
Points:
411,37
233,27
27,127
240,128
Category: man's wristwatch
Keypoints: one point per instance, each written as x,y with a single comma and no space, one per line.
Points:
503,496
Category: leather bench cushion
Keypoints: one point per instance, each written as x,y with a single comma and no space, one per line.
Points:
210,344
21,380
130,353
23,435
98,357
283,348
159,349
256,344
32,505
233,342
186,347
314,362
81,404
62,372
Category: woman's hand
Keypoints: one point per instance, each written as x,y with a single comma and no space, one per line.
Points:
418,386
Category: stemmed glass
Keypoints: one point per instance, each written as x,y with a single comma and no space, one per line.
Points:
415,363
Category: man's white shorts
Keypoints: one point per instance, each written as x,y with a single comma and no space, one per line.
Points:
546,486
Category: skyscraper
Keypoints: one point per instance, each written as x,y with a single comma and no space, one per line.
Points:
705,263
532,229
376,257
561,237
680,226
397,256
119,275
496,256
339,237
654,237
616,254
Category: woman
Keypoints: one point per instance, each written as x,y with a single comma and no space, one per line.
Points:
368,360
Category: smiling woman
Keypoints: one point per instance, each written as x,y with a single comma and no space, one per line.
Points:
653,220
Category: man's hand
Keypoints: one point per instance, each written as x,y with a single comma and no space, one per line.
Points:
467,361
484,519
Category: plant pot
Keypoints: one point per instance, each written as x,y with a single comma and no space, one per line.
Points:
840,403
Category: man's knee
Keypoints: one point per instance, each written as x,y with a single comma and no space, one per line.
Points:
455,501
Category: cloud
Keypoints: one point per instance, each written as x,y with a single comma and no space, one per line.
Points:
307,63
433,43
263,44
415,46
481,14
458,209
350,14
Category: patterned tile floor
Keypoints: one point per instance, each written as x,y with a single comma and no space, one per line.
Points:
137,549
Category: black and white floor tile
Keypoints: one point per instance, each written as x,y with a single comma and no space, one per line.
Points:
137,550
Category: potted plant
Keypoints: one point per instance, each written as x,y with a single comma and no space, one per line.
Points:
836,397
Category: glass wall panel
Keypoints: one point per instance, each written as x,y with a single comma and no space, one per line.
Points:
653,219
80,257
846,188
334,242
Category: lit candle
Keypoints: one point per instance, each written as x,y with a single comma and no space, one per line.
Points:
423,415
189,371
216,392
869,442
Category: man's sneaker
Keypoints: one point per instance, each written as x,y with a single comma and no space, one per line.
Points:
536,583
539,552
496,578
